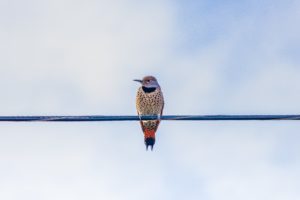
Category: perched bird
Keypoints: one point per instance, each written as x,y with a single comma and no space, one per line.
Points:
149,101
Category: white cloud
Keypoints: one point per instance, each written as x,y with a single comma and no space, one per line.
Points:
87,47
236,160
66,57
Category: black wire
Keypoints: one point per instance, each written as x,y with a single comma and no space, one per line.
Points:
136,118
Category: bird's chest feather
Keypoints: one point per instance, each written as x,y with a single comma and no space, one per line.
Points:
149,103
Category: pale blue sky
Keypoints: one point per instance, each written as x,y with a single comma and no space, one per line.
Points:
64,57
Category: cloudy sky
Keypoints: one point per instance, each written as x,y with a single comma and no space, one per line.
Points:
63,57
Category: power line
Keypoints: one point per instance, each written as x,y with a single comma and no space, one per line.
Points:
86,118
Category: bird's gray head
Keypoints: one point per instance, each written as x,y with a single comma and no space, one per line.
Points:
149,82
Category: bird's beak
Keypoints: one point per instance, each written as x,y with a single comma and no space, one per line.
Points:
140,81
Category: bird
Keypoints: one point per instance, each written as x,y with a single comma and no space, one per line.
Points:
149,101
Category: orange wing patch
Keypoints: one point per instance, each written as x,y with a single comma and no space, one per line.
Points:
149,133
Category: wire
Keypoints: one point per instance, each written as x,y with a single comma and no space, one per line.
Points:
86,118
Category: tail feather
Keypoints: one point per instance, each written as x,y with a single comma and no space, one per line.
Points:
149,142
149,129
149,136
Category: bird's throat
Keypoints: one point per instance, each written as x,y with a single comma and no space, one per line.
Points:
148,90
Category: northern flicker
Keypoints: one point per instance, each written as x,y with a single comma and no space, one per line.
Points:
149,101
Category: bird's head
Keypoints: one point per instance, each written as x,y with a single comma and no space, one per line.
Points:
148,82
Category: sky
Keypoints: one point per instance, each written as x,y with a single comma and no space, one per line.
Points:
64,57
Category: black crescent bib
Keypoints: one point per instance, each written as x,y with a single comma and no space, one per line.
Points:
148,90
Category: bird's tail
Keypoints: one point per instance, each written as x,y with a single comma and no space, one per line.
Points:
149,136
149,129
